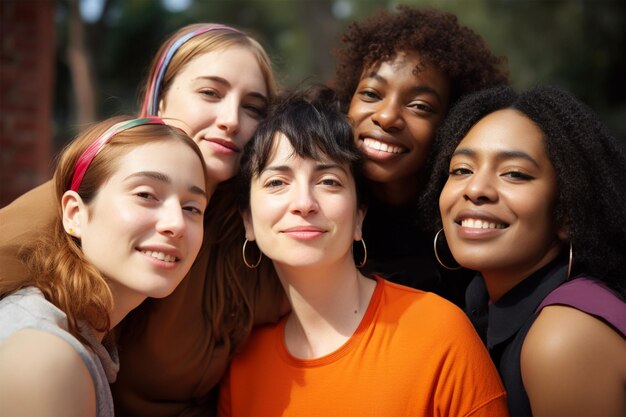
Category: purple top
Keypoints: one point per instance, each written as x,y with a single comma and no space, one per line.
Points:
591,297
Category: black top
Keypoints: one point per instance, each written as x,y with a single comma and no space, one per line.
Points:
503,325
401,252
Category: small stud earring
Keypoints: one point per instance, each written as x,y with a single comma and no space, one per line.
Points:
71,231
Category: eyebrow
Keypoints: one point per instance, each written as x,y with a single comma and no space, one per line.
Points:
226,83
417,89
500,155
161,177
320,167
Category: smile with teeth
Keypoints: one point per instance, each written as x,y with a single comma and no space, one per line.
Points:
481,224
160,256
382,146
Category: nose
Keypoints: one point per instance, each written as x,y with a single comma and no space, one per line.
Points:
388,115
480,188
228,115
171,219
303,201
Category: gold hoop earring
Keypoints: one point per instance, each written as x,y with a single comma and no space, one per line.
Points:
571,256
245,261
437,255
362,263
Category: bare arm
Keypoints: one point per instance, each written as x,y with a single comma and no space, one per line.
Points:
22,222
42,375
574,365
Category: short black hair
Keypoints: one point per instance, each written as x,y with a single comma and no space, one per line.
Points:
590,165
316,127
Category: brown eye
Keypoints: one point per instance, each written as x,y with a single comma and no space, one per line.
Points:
517,175
460,171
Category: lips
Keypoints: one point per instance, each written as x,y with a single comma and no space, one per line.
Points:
160,255
480,220
227,144
481,224
304,232
382,146
379,141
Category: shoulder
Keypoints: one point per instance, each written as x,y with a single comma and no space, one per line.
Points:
436,319
21,222
263,336
30,205
562,335
28,308
593,297
426,306
38,363
571,359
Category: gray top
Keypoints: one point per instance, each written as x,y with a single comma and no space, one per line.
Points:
28,309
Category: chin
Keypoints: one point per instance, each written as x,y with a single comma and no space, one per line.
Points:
161,292
473,262
221,174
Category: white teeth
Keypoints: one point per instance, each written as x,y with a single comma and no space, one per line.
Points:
381,146
481,224
160,256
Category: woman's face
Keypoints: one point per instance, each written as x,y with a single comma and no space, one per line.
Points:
497,205
144,228
303,212
396,112
220,97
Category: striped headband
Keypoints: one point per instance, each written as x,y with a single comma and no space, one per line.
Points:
92,150
151,100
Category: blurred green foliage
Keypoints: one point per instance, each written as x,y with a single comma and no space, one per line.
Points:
575,44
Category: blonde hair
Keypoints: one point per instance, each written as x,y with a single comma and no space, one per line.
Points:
56,263
221,37
228,307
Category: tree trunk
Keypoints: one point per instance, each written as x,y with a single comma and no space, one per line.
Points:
80,65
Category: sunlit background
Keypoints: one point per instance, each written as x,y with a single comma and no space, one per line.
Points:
575,44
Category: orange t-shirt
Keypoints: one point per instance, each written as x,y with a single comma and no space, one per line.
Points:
413,354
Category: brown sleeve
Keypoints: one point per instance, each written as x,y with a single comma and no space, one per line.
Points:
21,222
269,301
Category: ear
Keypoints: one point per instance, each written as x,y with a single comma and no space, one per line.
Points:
360,216
247,224
562,232
161,107
74,213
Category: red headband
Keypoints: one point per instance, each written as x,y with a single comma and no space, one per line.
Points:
92,150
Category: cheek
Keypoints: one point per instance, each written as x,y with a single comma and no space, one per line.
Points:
192,115
355,111
263,212
447,198
248,127
196,232
531,205
423,134
196,119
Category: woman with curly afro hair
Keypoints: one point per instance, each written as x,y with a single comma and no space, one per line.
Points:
531,190
398,73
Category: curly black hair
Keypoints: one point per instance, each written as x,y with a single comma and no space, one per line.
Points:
590,165
455,50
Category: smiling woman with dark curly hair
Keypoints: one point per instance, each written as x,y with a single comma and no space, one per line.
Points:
398,74
455,50
531,190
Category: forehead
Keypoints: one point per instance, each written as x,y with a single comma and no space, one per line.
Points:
282,151
405,63
168,156
506,129
222,63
